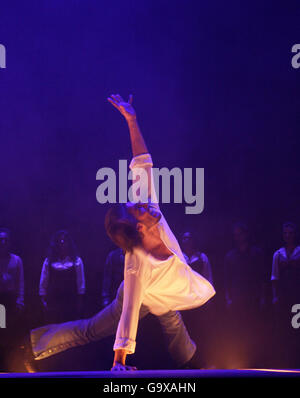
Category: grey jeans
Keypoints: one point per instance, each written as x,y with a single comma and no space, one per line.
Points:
51,339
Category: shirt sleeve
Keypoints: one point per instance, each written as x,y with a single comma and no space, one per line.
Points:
275,267
133,296
20,282
142,189
80,276
44,279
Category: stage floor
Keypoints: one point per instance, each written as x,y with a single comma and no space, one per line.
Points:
216,373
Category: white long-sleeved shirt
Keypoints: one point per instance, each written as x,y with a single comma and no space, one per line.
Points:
162,286
282,253
61,265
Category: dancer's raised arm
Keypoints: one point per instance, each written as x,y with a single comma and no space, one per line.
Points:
126,109
141,157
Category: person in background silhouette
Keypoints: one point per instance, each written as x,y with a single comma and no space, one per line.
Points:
194,257
244,271
245,278
11,294
285,279
286,268
200,320
113,275
62,281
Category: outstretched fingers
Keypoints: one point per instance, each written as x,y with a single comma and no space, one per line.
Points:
119,98
113,101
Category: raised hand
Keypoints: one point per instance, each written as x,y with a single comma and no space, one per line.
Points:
125,108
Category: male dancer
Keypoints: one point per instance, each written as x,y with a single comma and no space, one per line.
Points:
157,278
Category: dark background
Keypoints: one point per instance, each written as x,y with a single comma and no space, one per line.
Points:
213,87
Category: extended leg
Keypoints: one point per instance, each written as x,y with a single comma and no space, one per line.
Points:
51,339
181,347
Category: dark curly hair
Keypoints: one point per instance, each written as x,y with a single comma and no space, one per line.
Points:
120,226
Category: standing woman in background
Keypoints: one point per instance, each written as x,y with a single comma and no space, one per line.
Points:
199,320
195,258
62,282
285,279
11,296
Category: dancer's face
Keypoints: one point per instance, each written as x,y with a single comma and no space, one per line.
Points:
144,213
